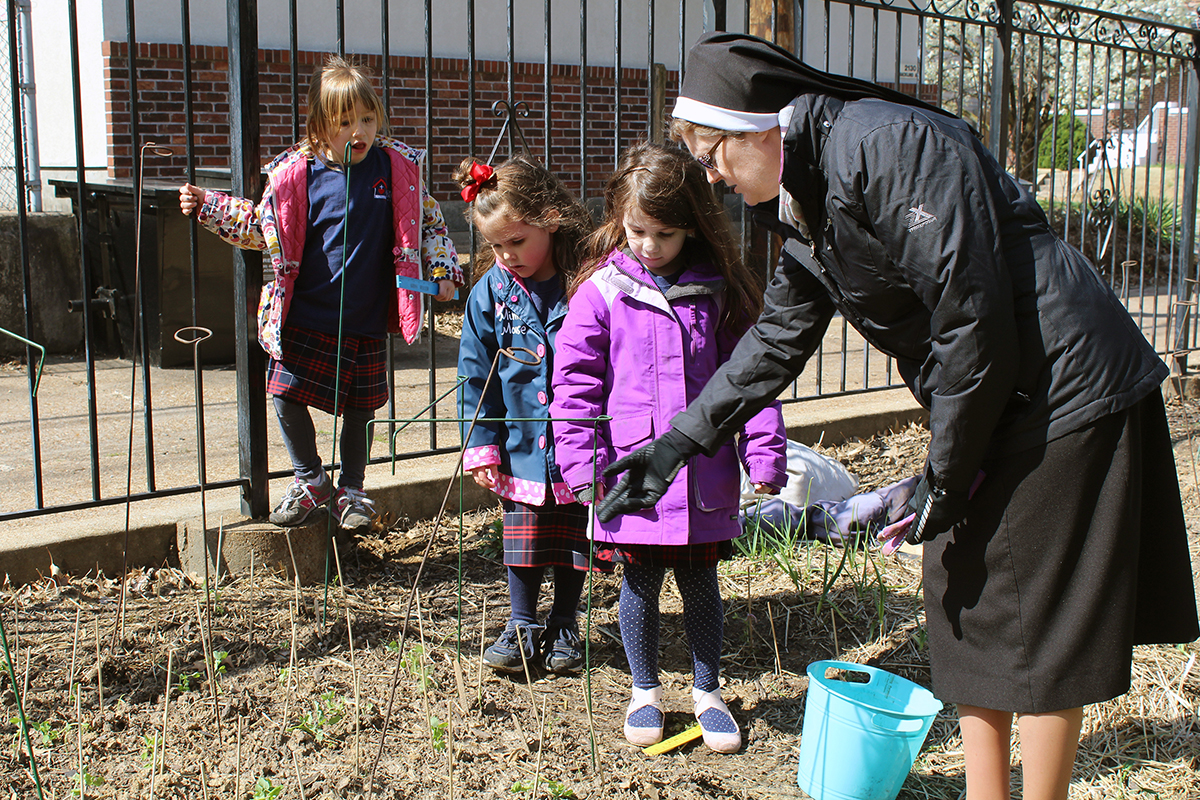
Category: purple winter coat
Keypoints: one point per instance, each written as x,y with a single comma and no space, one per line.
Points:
630,352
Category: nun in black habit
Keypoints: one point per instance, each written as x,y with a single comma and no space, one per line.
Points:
1042,393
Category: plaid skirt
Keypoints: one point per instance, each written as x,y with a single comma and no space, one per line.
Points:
309,368
553,535
704,555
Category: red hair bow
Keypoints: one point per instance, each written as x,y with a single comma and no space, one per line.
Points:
480,174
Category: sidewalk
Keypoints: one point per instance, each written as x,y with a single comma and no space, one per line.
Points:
94,539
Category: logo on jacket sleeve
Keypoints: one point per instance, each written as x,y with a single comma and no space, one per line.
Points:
918,217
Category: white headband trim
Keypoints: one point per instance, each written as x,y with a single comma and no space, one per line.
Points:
723,119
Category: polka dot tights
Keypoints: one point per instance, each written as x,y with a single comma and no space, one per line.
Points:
703,619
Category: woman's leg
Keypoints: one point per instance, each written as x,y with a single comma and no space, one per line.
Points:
986,733
1048,745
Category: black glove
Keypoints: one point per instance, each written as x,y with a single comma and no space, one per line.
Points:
650,471
937,509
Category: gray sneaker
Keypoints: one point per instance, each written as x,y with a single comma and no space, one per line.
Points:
505,654
355,511
298,502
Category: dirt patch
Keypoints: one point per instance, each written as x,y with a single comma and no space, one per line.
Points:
306,678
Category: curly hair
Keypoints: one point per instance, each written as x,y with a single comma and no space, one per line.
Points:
665,183
524,190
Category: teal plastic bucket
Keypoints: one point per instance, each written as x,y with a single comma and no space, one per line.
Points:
862,731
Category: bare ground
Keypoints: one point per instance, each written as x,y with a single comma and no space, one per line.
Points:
309,678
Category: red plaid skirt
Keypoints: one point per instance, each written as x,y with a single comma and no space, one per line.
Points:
553,535
309,368
704,555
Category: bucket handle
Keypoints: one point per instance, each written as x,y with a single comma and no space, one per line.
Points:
897,724
841,667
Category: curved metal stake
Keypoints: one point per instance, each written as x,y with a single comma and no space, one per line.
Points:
158,150
194,335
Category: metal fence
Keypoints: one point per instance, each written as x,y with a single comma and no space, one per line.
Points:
1089,108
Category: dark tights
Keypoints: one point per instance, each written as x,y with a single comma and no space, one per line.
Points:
703,619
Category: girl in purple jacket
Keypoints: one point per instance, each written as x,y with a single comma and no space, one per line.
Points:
531,227
661,302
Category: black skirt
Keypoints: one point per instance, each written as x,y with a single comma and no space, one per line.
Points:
1071,554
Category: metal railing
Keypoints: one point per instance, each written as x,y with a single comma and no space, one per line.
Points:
1087,107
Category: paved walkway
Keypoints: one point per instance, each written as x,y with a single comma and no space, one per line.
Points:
81,541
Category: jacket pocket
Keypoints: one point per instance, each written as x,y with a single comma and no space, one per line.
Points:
715,481
629,432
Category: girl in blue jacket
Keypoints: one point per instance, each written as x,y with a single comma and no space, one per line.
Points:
531,227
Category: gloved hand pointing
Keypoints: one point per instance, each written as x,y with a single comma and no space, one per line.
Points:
648,473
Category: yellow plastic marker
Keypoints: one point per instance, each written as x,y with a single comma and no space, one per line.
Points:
675,741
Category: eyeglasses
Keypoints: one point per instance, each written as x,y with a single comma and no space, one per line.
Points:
706,159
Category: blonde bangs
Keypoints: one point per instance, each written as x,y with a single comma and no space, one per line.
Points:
336,89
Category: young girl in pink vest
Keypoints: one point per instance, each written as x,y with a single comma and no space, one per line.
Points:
338,232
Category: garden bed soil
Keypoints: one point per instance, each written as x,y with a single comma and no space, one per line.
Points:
308,678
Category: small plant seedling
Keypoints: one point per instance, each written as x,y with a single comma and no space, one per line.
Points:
44,730
219,658
185,681
492,545
285,674
149,746
414,664
557,789
84,780
265,790
437,730
520,786
327,711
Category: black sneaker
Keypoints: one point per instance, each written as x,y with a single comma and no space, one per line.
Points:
562,649
505,654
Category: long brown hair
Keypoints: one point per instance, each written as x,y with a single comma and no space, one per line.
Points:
336,86
524,190
665,183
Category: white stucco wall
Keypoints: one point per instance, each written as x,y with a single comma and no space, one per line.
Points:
52,72
160,21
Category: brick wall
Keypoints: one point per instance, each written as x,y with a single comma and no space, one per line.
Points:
160,104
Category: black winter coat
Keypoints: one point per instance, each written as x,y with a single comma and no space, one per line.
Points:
1004,332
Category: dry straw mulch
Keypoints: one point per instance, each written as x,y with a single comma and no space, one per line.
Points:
306,678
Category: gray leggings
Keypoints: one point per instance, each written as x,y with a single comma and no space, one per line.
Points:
300,437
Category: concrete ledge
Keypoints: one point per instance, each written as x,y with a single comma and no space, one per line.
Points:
165,531
835,419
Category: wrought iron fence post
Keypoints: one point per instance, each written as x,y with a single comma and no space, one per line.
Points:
1187,227
246,181
1001,81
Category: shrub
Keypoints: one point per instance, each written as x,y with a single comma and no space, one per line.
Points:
1062,142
